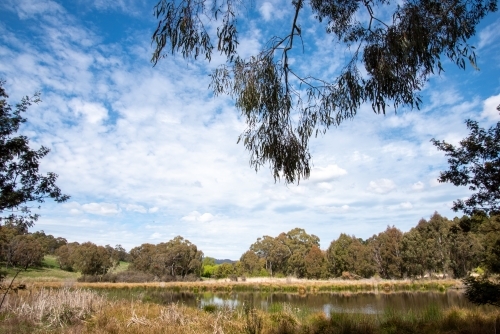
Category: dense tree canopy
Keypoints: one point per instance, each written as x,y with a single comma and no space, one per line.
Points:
20,181
391,49
168,260
91,259
475,162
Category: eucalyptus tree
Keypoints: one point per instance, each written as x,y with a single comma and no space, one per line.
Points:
349,254
387,253
415,254
21,184
299,243
64,256
436,233
466,249
392,49
250,263
475,162
175,258
315,263
178,257
25,252
91,259
49,242
141,257
274,252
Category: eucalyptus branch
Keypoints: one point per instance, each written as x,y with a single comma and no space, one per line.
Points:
298,6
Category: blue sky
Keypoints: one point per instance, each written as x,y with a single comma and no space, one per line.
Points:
148,153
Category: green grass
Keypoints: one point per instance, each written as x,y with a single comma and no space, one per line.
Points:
121,267
47,272
50,271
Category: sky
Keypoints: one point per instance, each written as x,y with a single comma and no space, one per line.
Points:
148,153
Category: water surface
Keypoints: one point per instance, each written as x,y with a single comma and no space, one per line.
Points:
360,302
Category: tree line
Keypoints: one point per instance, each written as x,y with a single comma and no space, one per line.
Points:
438,247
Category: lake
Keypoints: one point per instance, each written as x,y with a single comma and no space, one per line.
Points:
356,302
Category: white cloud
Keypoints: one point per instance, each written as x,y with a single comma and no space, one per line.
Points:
406,205
155,236
381,186
326,174
100,208
153,209
134,208
361,157
195,216
266,10
28,8
490,108
418,186
335,209
400,149
93,112
488,35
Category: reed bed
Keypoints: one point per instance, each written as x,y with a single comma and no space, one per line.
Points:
52,308
274,286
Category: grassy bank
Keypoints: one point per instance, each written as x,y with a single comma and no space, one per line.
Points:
84,311
302,287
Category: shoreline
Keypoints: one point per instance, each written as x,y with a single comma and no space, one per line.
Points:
284,285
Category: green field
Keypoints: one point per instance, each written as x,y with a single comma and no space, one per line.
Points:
50,271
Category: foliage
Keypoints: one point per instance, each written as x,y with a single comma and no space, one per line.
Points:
250,263
391,52
349,254
224,270
25,251
90,259
283,255
208,267
315,263
49,243
482,291
175,258
273,251
475,163
386,248
20,181
64,256
466,249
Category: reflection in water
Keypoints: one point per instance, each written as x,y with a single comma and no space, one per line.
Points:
367,303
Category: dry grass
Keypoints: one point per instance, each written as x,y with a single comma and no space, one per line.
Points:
137,317
53,308
283,285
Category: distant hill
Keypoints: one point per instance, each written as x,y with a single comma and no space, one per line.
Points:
219,261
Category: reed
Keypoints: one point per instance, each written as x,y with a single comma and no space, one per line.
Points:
52,308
